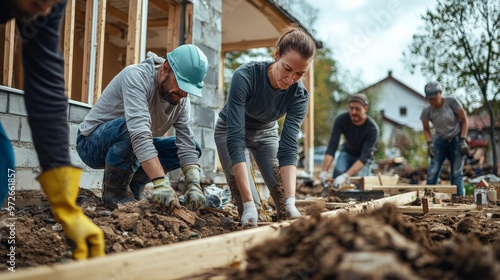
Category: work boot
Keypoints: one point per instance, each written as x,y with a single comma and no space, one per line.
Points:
235,193
138,184
115,186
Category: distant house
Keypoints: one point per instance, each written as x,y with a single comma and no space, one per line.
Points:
399,105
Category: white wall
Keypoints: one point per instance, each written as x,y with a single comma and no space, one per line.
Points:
392,96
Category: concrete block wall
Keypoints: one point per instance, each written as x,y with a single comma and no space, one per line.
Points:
14,119
207,35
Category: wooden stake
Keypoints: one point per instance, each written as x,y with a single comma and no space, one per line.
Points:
425,205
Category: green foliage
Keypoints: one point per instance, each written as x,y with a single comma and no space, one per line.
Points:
459,45
412,145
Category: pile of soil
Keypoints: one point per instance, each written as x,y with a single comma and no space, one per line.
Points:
40,240
379,245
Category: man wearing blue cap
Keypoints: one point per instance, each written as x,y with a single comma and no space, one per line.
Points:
123,133
450,139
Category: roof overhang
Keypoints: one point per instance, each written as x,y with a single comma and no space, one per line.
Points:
252,24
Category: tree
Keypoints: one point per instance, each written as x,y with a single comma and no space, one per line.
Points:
459,45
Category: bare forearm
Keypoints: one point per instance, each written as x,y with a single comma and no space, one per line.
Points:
327,162
355,168
241,176
289,179
153,168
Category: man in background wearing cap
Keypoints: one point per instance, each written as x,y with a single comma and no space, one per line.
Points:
123,133
361,137
449,142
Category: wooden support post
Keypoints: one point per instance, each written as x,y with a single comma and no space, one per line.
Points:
134,31
99,61
217,251
308,124
87,45
425,205
188,31
69,39
8,53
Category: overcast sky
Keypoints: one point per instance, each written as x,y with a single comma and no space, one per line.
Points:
368,37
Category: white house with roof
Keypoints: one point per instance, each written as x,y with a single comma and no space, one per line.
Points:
399,105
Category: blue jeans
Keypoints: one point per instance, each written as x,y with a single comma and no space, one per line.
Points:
447,149
345,160
7,165
110,143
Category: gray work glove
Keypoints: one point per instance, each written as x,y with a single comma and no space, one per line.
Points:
291,210
250,215
464,147
340,180
322,178
193,197
163,194
430,149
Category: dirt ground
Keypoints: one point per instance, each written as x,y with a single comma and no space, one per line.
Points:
40,239
378,245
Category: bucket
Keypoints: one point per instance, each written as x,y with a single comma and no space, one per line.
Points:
492,195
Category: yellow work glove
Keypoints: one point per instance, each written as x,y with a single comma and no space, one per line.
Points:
194,197
163,194
60,184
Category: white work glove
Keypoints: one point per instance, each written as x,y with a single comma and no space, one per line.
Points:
291,210
339,181
250,215
322,177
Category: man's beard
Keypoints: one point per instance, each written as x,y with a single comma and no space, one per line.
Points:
165,91
167,96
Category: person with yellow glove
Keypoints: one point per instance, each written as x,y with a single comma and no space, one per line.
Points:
46,106
61,186
124,131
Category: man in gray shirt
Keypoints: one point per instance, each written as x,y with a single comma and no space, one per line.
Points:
449,142
123,133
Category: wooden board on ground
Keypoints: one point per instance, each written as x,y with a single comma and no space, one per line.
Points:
365,182
397,189
361,195
183,259
438,209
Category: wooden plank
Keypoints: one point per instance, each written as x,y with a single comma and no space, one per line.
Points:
181,259
87,44
170,28
308,203
69,41
441,210
157,23
365,182
134,32
308,123
188,31
118,14
394,189
8,52
361,195
177,25
160,4
100,40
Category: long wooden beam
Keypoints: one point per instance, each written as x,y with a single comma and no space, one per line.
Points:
455,210
100,40
134,31
181,259
69,41
394,189
8,52
87,45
